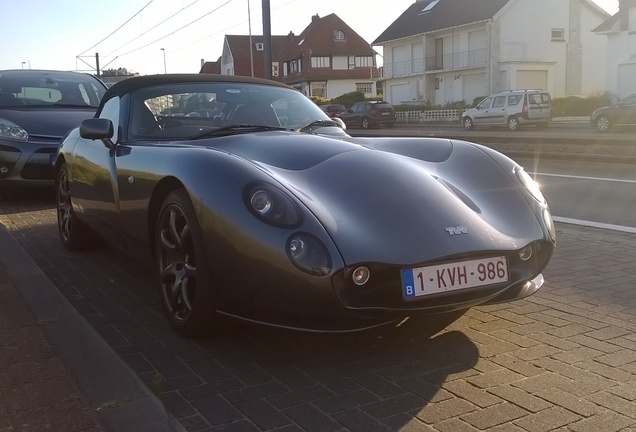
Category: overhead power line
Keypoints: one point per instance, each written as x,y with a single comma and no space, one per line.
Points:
118,28
150,29
177,30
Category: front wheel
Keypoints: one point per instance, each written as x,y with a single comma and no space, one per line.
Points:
468,123
603,124
513,123
181,261
365,123
75,235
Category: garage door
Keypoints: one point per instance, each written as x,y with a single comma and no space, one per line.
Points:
535,79
399,94
626,80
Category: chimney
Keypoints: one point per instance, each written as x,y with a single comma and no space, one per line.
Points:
202,62
315,18
290,36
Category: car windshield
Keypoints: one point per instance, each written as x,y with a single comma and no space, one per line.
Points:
198,109
31,88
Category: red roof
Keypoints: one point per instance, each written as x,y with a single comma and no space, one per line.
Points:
317,39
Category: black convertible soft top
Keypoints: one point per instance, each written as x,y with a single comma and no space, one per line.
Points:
126,86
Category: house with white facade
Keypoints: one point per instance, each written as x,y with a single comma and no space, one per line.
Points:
443,51
620,31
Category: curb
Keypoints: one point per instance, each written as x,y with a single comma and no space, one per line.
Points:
121,399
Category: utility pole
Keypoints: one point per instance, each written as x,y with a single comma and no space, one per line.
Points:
267,39
249,20
165,69
99,74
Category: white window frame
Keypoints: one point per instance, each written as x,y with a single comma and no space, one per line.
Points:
320,62
364,61
365,87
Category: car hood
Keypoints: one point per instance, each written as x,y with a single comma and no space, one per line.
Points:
51,122
379,206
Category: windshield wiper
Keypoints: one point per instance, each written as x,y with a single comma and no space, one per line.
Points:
316,124
68,105
235,129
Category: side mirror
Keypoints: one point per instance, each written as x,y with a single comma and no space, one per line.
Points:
96,129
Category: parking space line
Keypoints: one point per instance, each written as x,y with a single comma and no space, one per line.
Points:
592,224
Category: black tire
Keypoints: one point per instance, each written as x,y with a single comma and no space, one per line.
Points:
181,262
603,124
365,123
513,123
74,234
467,122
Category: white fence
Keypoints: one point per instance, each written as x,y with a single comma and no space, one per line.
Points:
443,115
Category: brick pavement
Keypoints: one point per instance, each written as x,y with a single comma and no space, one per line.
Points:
36,390
562,360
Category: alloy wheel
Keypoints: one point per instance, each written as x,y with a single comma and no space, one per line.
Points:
603,124
64,216
178,268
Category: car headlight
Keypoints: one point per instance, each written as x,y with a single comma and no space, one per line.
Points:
529,184
309,254
272,205
12,131
549,224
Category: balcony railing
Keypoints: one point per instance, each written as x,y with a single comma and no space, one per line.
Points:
454,61
444,62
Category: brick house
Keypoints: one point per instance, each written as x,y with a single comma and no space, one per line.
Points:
326,59
444,51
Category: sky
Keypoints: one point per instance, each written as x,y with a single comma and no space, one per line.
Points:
139,35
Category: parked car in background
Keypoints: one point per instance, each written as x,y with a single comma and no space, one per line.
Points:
270,212
621,113
512,108
368,114
333,110
37,108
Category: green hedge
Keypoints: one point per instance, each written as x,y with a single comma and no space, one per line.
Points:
577,106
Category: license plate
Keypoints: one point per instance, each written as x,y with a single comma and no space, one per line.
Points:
422,281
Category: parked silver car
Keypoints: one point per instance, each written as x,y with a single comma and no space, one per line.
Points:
512,108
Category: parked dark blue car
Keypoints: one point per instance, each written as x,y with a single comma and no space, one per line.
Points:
37,108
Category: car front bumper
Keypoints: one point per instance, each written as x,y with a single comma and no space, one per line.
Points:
28,163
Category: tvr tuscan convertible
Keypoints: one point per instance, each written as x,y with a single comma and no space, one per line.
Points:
248,201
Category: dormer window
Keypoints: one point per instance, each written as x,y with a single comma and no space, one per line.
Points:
338,35
259,46
430,6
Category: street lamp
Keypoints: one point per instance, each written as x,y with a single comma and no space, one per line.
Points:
23,63
165,70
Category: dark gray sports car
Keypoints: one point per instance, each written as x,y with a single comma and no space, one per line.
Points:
249,202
